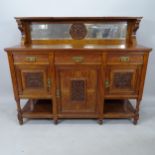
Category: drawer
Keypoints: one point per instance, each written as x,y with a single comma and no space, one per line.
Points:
124,58
31,59
77,58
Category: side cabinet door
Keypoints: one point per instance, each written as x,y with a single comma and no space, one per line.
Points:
77,90
122,80
33,80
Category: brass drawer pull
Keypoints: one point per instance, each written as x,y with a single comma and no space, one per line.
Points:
78,59
124,59
49,83
107,84
58,93
31,59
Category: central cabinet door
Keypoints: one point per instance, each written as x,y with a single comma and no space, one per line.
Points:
77,91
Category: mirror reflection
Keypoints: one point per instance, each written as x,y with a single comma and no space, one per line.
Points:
52,31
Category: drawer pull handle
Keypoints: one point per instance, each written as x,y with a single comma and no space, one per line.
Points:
49,83
78,59
107,84
58,93
124,59
31,59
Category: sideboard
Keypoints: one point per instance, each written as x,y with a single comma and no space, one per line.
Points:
78,67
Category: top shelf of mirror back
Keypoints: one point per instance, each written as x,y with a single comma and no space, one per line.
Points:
81,30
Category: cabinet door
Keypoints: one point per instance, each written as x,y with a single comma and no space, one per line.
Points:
122,80
77,91
33,80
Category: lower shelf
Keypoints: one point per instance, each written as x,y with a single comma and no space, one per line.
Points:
38,109
112,109
118,109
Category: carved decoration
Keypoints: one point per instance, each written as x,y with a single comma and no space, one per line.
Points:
122,80
136,26
21,28
77,90
33,80
78,31
134,30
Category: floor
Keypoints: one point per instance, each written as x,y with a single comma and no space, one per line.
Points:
76,137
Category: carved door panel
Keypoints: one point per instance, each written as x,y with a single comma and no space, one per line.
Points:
122,80
33,80
77,90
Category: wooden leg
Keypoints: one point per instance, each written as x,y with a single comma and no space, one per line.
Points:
19,115
100,121
55,120
20,118
136,117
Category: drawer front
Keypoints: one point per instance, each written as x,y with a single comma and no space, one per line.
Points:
31,59
77,58
124,58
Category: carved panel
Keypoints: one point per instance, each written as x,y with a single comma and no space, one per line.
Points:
122,80
77,90
33,80
78,31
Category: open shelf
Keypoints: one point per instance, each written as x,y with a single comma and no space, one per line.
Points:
118,109
38,109
112,109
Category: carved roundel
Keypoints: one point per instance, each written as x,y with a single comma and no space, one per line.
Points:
78,31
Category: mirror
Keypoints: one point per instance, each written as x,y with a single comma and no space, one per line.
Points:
58,31
107,30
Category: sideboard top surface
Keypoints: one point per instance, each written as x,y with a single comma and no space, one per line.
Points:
85,47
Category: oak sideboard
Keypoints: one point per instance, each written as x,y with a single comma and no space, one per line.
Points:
78,67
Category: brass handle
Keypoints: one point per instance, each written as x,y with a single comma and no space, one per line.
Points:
31,59
49,83
78,59
107,84
58,93
124,59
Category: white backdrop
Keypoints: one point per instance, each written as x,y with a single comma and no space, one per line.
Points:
10,35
